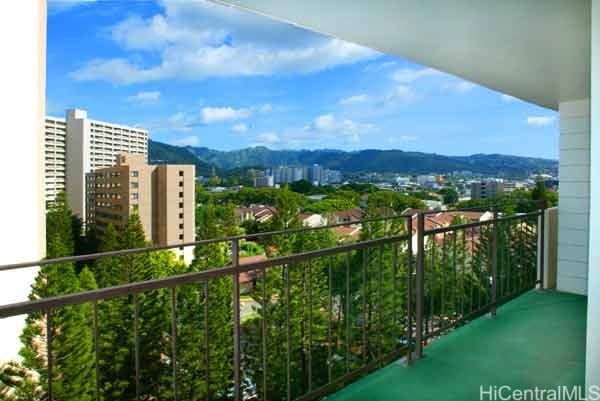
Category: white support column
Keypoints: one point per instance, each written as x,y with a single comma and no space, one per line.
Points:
593,318
574,193
22,99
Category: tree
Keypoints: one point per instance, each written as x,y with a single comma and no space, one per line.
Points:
72,341
449,195
301,186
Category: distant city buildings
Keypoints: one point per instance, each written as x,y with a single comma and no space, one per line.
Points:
77,145
264,181
162,195
487,189
428,181
315,174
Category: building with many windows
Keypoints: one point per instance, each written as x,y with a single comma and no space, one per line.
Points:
487,189
162,195
77,145
55,137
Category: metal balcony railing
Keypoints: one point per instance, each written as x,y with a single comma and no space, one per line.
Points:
325,316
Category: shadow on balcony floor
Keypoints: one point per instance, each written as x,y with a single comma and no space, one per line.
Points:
538,339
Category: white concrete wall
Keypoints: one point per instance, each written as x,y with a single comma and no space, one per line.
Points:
22,101
574,192
593,319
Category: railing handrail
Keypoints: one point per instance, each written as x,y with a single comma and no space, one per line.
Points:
154,248
440,230
43,304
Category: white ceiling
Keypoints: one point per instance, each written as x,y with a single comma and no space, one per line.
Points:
536,50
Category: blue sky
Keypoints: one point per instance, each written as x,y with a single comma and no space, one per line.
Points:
200,74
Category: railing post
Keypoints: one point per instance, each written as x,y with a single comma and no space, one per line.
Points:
494,264
409,295
235,261
542,246
420,285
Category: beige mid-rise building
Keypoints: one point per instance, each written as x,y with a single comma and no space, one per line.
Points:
162,195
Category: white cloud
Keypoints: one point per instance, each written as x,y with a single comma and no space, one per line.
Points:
540,121
211,115
461,86
267,139
379,66
266,108
191,140
355,99
145,97
179,121
400,94
196,40
508,98
56,6
342,128
239,128
408,75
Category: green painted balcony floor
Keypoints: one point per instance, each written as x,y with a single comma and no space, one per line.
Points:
537,339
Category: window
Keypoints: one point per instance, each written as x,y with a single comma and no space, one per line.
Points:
181,237
181,215
181,226
134,184
180,173
135,196
134,173
181,183
181,205
181,194
135,208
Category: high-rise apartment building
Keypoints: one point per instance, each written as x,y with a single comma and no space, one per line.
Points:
77,145
162,195
55,139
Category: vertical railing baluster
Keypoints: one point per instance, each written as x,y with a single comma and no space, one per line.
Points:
419,286
310,307
443,281
96,350
472,268
454,276
364,304
395,286
49,356
136,334
347,312
264,334
174,340
206,342
235,259
330,321
409,291
463,263
494,264
432,282
288,334
379,303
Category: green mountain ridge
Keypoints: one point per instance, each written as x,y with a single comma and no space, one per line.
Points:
368,160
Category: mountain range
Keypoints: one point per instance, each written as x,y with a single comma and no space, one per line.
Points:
368,160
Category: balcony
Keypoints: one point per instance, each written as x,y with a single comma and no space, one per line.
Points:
434,311
538,339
